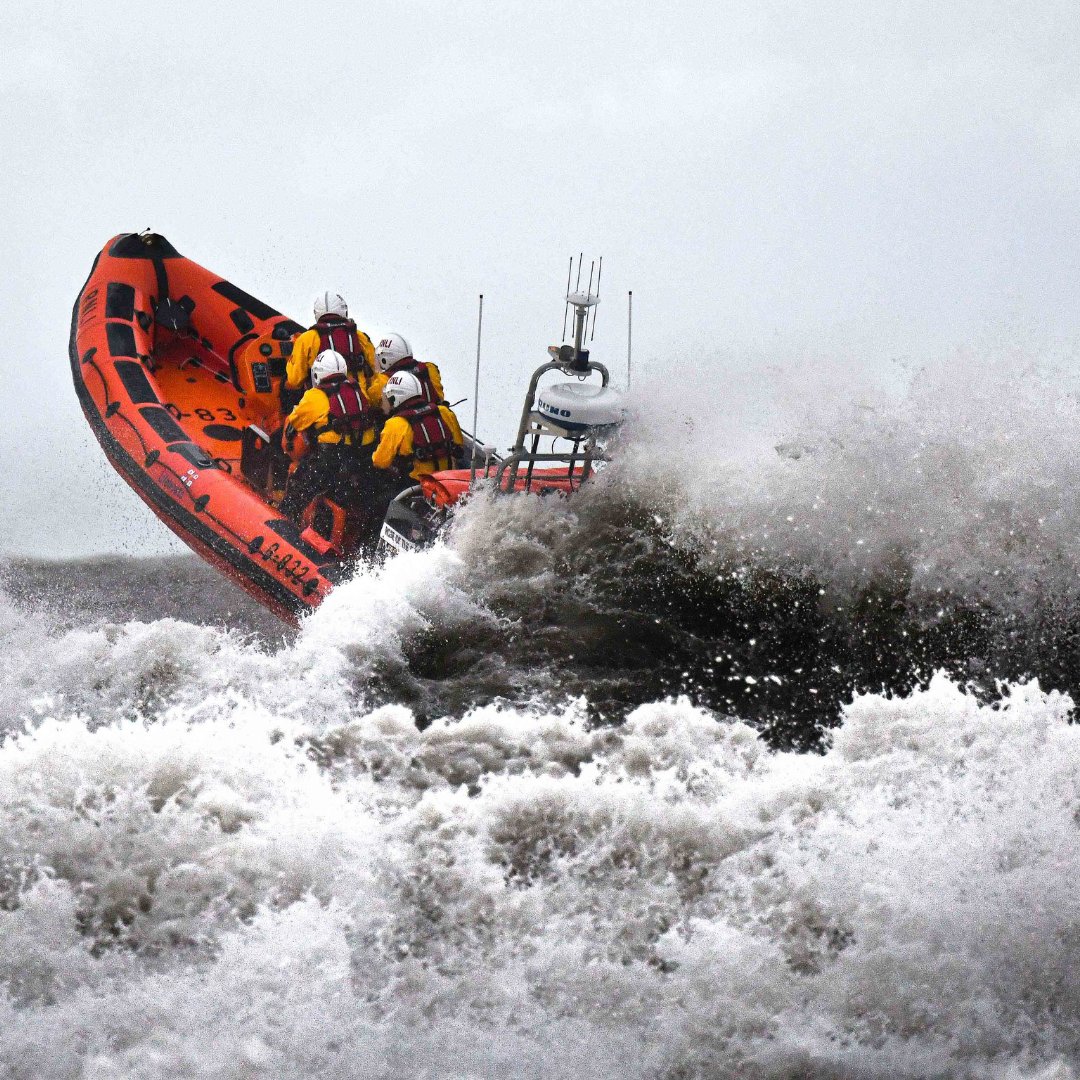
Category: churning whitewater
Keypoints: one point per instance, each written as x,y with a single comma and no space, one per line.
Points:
740,763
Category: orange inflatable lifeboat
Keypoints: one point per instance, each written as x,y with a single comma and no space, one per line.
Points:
179,373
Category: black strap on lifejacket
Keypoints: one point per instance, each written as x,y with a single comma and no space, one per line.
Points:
432,438
341,335
348,416
414,367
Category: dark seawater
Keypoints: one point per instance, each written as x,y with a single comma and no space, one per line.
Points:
122,589
599,602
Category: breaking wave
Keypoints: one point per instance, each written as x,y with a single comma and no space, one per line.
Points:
539,802
213,864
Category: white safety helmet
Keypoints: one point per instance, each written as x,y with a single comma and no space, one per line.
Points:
326,364
402,386
390,350
331,303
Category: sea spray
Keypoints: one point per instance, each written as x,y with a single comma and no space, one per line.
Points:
519,892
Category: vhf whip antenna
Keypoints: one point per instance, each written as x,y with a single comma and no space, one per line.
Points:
566,308
592,272
599,274
581,302
575,357
476,393
629,332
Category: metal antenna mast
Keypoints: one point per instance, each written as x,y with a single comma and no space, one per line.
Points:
566,309
599,274
592,272
476,391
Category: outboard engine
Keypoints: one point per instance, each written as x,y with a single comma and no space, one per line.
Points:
411,522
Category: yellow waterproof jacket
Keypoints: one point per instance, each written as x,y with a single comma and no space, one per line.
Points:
313,411
306,348
380,379
396,444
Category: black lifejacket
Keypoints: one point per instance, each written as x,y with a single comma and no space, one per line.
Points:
414,367
348,415
431,435
341,335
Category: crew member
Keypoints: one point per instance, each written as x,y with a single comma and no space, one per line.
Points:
333,330
393,354
419,437
338,424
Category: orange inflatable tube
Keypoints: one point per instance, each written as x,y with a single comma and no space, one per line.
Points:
178,372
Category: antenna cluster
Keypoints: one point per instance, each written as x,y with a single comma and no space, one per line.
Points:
576,357
587,299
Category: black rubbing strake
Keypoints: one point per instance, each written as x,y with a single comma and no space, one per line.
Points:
245,300
136,383
121,339
242,320
165,427
120,301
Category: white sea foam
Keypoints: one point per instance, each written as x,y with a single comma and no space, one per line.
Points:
220,861
966,476
220,881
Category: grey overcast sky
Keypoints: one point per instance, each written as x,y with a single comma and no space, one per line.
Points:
900,174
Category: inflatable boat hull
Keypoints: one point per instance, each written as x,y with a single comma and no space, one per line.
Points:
173,365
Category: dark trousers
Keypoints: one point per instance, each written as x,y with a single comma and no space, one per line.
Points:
343,473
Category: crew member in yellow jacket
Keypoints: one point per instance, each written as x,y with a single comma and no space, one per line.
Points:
333,330
394,354
334,418
419,436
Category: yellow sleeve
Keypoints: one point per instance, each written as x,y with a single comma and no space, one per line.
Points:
375,387
305,349
393,435
368,348
313,408
451,422
365,389
436,381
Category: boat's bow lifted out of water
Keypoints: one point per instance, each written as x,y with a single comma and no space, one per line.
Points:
179,372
